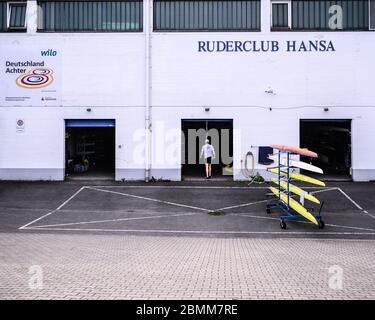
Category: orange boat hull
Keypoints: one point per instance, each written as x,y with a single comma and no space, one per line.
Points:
302,151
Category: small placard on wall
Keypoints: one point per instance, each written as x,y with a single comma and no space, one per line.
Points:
20,125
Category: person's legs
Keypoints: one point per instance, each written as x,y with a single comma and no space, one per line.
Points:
208,167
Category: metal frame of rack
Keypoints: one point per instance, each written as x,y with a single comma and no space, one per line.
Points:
287,213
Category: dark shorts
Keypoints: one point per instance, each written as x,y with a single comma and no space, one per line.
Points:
208,160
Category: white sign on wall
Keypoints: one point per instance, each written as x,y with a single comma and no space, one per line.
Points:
20,125
30,76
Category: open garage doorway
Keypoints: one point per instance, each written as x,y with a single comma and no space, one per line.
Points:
331,139
90,149
220,133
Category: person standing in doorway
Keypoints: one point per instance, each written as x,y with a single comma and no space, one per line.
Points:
208,152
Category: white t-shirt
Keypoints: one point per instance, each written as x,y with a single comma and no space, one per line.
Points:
208,151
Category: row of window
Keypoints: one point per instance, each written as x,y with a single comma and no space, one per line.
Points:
322,15
99,16
192,15
207,15
12,16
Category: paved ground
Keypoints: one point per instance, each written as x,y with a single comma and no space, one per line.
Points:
151,267
157,241
179,209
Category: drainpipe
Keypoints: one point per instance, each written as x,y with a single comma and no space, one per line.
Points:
147,9
31,16
265,16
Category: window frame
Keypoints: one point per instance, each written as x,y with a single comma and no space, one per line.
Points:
289,4
40,19
9,13
359,29
155,29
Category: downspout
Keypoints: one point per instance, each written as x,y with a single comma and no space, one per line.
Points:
265,20
147,9
31,17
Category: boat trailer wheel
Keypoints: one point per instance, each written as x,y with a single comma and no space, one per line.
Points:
321,224
282,224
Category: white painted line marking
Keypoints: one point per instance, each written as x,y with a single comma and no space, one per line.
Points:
351,200
131,211
252,216
347,227
189,214
24,209
208,232
323,190
306,222
71,198
48,227
262,201
149,199
356,204
115,220
369,214
244,205
53,211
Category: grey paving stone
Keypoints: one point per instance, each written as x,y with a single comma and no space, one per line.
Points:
148,267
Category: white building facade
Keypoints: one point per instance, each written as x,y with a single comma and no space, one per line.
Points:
151,71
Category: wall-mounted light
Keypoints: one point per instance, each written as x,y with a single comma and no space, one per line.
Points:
326,109
270,90
207,109
88,109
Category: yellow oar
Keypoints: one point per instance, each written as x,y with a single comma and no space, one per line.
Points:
296,190
296,206
298,176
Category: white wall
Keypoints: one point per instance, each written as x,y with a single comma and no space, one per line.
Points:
184,76
107,73
233,85
102,71
38,153
261,127
96,69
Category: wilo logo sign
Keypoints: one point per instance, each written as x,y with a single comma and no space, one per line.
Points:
30,77
48,53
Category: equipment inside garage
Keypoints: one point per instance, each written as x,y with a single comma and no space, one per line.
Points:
89,147
220,134
331,139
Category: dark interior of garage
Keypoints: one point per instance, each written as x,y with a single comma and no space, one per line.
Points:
89,150
331,139
220,134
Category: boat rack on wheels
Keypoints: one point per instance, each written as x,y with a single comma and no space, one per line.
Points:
284,199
